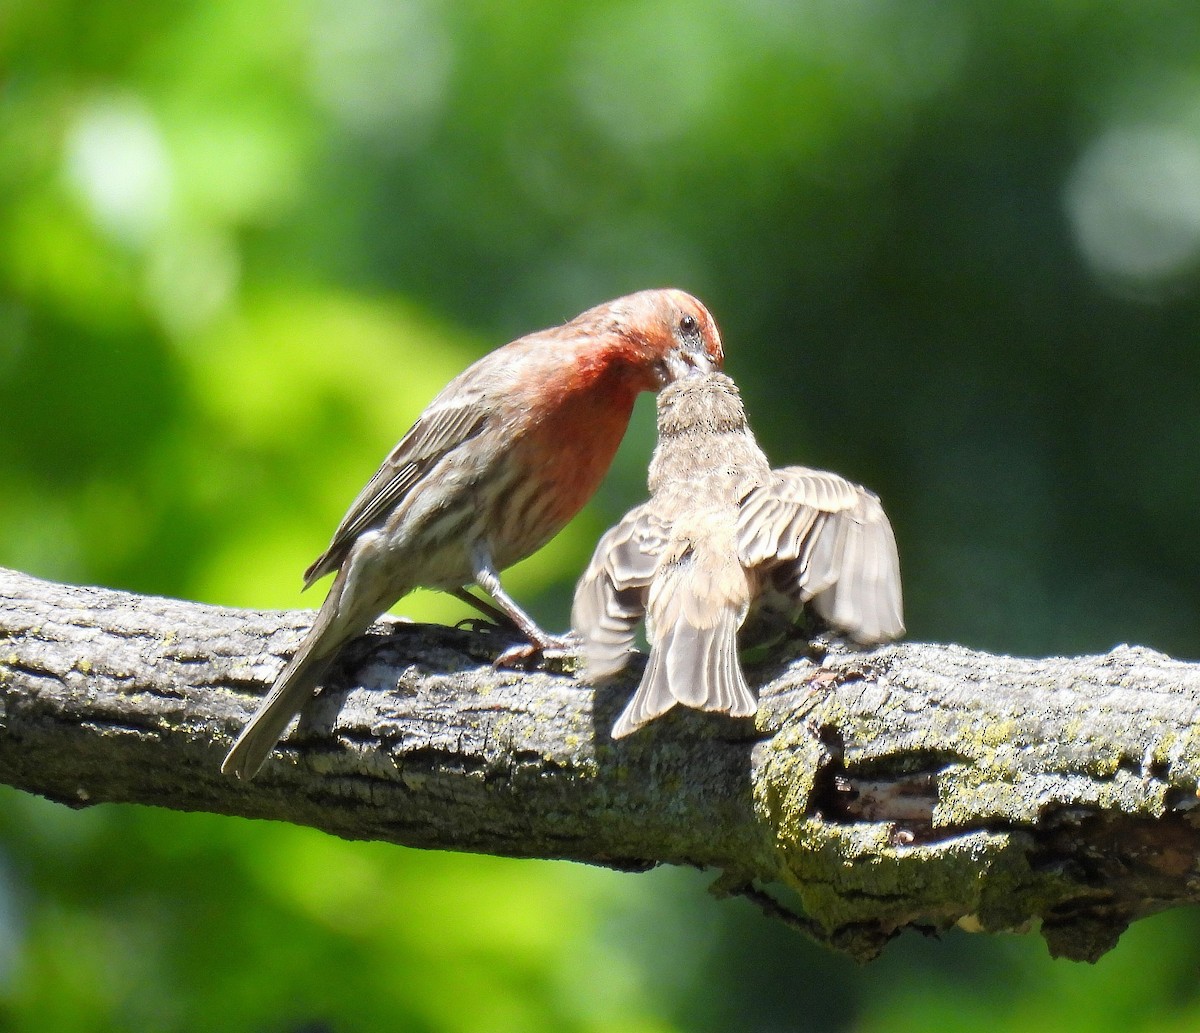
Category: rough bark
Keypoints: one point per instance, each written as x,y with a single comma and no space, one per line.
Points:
914,786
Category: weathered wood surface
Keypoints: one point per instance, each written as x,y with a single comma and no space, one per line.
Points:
914,786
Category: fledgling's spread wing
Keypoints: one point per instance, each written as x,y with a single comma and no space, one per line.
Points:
610,599
824,538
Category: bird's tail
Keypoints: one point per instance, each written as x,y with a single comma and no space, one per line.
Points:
695,666
293,688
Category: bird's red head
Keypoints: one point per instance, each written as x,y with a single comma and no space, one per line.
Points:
670,332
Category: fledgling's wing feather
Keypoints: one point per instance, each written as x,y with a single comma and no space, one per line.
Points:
440,429
777,520
633,548
826,557
610,599
826,539
865,601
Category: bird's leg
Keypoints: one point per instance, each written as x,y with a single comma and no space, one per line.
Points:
493,613
539,641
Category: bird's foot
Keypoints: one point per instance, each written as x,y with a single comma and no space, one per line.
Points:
554,648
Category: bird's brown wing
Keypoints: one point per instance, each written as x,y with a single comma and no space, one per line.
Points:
826,539
610,599
439,430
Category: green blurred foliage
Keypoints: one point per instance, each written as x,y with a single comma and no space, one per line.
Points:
955,252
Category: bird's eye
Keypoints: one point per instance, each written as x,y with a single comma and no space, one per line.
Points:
688,324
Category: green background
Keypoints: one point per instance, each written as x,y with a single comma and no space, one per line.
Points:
954,249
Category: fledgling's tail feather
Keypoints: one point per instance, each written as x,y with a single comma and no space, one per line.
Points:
697,667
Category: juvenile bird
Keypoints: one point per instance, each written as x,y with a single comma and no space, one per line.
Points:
500,460
723,538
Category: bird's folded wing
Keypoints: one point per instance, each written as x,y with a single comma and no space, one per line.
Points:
439,430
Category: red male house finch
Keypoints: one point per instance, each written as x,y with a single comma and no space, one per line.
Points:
495,466
723,537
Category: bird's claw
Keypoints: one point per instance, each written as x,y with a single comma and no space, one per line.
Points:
481,626
551,647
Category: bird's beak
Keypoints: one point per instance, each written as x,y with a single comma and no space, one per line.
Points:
680,364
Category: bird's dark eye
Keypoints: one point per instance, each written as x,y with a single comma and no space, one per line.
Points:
688,324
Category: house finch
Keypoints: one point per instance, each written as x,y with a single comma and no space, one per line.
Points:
500,460
724,538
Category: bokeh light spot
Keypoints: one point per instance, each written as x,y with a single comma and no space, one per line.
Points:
1134,203
118,165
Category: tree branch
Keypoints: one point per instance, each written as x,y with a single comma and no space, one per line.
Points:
915,786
